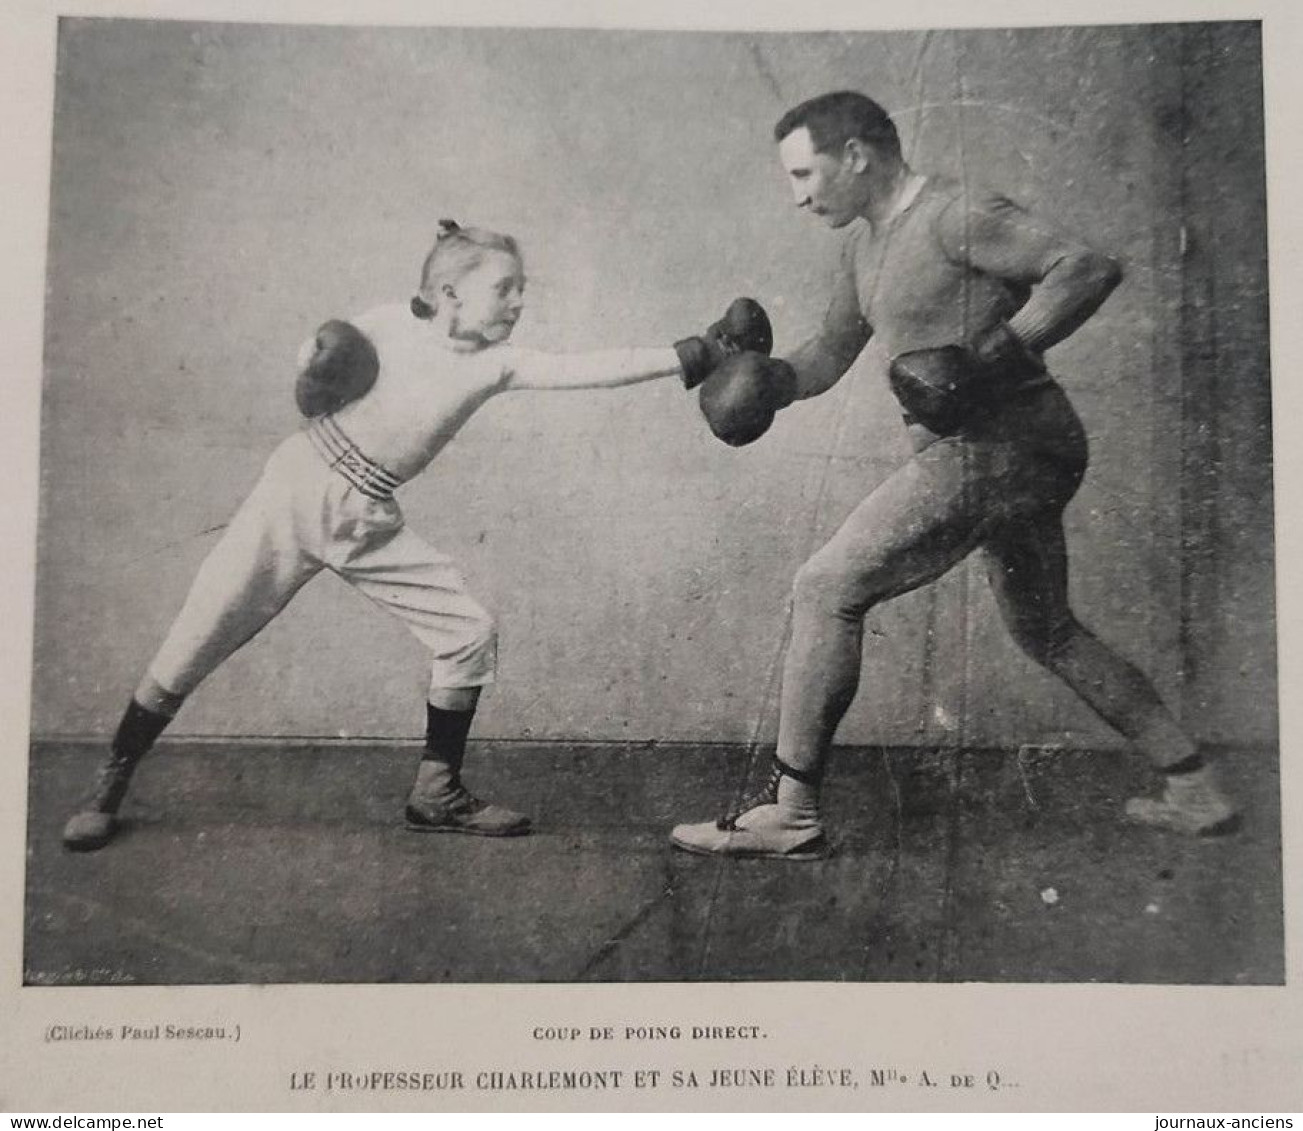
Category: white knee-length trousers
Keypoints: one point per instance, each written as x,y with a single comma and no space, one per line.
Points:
310,512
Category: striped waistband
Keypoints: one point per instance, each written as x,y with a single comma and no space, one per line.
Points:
334,446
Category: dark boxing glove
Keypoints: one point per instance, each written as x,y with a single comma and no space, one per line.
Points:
740,398
942,388
341,367
744,328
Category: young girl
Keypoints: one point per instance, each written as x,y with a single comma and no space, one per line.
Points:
325,501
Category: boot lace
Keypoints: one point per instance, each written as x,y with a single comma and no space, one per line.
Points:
767,794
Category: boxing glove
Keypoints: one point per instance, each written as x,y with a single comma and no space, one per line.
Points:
740,398
744,328
942,388
337,367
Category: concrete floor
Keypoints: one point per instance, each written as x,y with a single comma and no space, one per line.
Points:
254,863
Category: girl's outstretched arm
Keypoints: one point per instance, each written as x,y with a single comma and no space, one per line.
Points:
596,369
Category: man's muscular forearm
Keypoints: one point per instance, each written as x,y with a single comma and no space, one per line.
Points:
1071,291
1067,280
817,367
822,360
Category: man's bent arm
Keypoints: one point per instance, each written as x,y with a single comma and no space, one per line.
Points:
819,365
1072,290
1068,280
822,361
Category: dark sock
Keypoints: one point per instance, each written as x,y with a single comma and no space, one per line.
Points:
1185,766
445,735
135,735
137,731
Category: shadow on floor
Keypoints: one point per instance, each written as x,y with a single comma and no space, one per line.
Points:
258,863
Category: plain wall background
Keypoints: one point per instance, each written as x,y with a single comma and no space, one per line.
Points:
218,190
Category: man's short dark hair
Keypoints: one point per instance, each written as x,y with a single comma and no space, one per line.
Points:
833,119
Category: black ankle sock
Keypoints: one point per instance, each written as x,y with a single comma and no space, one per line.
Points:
1186,765
137,731
445,734
805,777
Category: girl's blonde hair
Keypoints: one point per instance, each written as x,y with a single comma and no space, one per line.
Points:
456,251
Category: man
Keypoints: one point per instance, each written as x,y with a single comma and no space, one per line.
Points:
966,291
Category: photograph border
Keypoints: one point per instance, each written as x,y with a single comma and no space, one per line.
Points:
1046,1047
